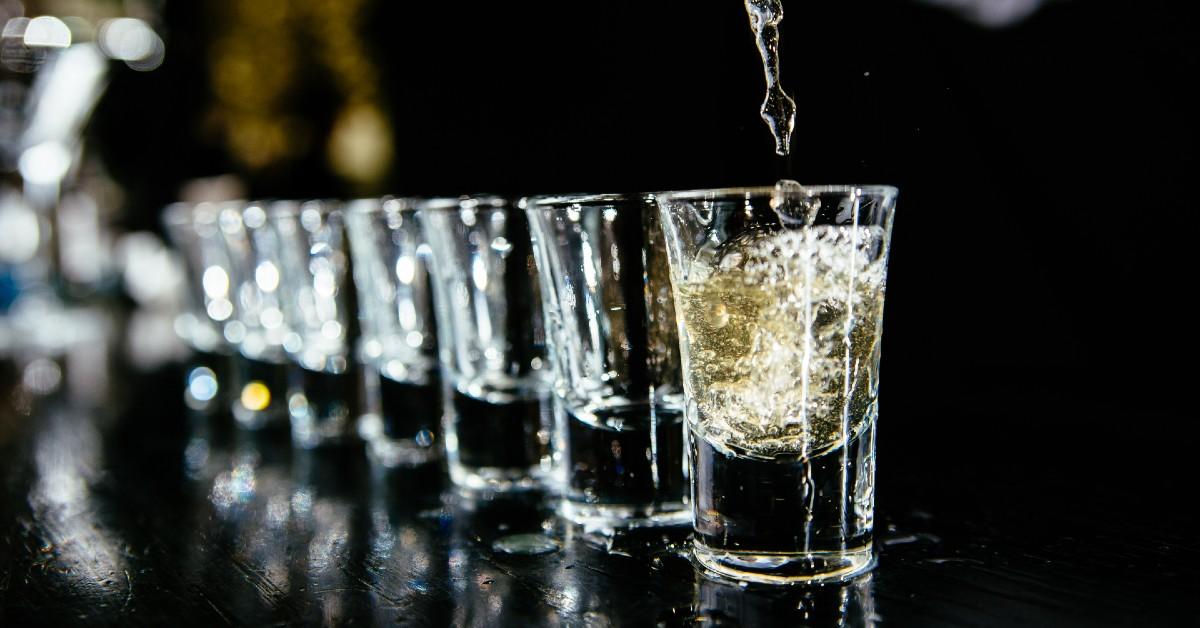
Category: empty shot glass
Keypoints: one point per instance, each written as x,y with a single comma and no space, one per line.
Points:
194,231
262,370
399,336
779,295
307,243
491,342
612,336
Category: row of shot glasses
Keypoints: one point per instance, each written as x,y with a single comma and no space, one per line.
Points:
528,345
434,328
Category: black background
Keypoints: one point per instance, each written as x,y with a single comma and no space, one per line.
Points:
1044,229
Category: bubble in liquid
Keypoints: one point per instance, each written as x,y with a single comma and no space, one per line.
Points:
720,316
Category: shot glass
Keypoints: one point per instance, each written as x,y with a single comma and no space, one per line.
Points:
306,241
497,421
779,295
611,330
261,367
194,231
399,337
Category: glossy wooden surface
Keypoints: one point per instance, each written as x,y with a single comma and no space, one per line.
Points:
130,514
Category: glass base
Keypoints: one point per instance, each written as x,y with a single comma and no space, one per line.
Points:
611,517
309,434
396,453
260,394
496,479
776,568
393,453
270,419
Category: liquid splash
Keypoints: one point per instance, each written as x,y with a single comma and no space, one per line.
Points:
793,204
778,109
782,334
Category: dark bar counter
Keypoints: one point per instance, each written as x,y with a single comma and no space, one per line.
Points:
134,512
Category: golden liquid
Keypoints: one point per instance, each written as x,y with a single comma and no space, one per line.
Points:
781,338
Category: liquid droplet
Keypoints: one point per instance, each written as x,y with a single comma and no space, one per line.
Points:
720,315
793,203
502,246
525,545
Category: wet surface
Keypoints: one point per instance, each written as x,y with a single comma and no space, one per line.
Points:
132,513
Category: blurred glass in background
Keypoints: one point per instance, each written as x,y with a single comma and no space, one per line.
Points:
64,260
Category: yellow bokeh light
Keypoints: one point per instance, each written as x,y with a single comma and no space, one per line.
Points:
360,145
256,396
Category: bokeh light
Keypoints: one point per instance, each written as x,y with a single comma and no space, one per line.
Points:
256,396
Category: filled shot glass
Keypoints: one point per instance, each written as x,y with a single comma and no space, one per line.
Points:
497,418
611,329
306,241
779,295
399,337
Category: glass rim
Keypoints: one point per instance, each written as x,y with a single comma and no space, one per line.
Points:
544,201
293,207
184,213
369,205
768,190
178,213
468,201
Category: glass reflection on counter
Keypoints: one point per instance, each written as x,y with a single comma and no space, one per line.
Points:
292,518
76,541
721,602
407,564
328,538
483,593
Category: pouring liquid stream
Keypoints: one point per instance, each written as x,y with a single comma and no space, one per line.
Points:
778,109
